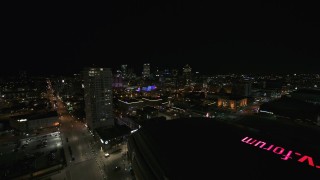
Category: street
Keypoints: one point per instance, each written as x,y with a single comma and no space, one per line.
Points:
85,157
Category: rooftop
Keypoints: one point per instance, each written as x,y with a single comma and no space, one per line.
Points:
287,103
308,91
36,115
232,97
111,133
207,148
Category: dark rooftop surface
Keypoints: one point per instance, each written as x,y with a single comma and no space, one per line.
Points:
232,97
201,148
130,100
36,115
309,91
110,133
291,104
148,109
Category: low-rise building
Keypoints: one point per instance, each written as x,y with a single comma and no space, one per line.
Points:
232,102
34,121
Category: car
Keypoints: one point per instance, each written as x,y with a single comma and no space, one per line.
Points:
117,168
106,155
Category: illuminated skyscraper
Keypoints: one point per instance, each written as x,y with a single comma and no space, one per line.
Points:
124,70
146,70
187,74
98,97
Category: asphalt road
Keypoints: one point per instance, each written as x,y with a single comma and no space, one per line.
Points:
77,143
84,156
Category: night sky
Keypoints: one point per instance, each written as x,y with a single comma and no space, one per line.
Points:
251,37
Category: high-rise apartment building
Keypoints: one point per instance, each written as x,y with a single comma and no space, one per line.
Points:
98,97
187,74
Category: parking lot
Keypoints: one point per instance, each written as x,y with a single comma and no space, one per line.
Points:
30,155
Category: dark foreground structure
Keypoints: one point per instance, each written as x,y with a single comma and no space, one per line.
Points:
201,148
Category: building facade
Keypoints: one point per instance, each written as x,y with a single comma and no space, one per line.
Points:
124,70
232,103
98,97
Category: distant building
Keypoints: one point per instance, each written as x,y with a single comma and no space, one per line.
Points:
131,74
110,137
147,112
272,84
146,70
124,70
293,109
129,121
226,89
117,82
307,95
273,88
68,87
130,105
152,101
187,74
242,89
98,97
232,102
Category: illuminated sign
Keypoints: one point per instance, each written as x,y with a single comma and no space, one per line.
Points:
147,88
280,151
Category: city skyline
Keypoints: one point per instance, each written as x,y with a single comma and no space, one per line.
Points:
130,89
137,70
212,38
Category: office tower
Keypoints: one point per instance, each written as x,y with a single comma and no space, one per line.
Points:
146,70
124,70
187,74
98,97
